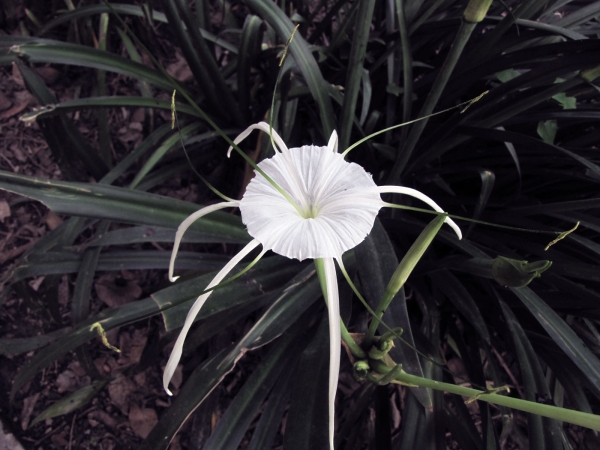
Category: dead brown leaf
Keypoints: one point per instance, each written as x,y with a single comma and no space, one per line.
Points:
131,347
49,74
18,153
138,115
142,420
60,439
115,290
16,76
67,381
53,221
63,291
28,405
77,369
22,99
120,391
180,69
104,417
5,102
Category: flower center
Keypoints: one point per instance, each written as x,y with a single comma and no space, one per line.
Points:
311,212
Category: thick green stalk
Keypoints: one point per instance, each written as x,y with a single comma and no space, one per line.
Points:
403,271
351,343
554,412
355,67
523,11
474,13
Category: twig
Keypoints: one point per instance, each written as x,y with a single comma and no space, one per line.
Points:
509,373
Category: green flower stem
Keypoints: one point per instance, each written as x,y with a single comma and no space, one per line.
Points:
553,412
365,304
403,271
355,349
476,10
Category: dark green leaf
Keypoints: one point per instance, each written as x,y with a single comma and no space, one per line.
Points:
119,205
308,418
562,334
71,402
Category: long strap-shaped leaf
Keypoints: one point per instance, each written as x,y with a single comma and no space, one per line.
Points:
562,334
295,298
118,204
355,69
301,52
79,55
175,301
124,9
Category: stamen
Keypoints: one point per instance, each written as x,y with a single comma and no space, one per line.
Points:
195,309
262,126
187,223
423,198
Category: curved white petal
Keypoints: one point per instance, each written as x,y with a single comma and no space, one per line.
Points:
422,197
195,309
332,145
187,223
263,126
339,199
335,344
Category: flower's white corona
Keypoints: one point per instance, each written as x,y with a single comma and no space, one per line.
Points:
335,205
339,200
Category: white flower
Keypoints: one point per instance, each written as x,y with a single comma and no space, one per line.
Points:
322,207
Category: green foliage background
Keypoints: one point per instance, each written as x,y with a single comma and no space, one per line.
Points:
525,155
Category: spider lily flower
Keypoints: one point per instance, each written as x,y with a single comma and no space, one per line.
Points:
329,207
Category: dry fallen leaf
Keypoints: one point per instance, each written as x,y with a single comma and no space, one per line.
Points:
131,346
16,75
180,69
53,221
138,115
5,102
60,439
77,369
28,405
4,210
104,417
22,100
67,381
142,420
114,290
49,74
120,391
